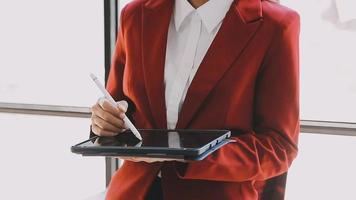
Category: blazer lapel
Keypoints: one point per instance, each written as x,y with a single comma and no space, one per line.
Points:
233,36
155,22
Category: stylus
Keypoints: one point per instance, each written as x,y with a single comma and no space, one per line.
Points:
109,97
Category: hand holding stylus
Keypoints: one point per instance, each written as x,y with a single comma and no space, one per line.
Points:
107,119
114,104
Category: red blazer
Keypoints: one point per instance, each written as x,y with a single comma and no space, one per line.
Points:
248,82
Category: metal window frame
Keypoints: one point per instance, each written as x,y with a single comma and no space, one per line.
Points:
328,127
111,9
52,110
111,25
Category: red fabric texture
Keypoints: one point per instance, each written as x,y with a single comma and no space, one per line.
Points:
248,82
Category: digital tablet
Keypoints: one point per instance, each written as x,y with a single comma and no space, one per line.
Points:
157,143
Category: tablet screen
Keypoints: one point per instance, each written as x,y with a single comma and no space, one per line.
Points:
159,138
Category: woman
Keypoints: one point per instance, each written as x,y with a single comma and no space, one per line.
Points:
218,64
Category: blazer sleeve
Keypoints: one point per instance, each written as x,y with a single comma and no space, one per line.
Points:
115,79
115,83
269,149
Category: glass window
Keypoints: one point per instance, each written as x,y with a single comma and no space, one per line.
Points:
48,48
36,161
328,62
324,169
123,3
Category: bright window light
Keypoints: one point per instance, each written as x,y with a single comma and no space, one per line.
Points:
324,169
328,62
36,161
48,48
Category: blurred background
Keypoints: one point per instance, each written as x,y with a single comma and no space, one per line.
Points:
49,47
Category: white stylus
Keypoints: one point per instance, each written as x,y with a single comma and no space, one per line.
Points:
109,97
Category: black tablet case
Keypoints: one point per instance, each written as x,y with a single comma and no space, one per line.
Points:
156,152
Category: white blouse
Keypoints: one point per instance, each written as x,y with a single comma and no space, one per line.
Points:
191,32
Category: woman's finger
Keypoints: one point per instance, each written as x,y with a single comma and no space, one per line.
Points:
122,105
108,117
107,106
105,125
100,132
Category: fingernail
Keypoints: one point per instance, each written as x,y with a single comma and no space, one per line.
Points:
122,108
122,115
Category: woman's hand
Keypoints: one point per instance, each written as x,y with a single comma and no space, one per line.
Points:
150,160
107,119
